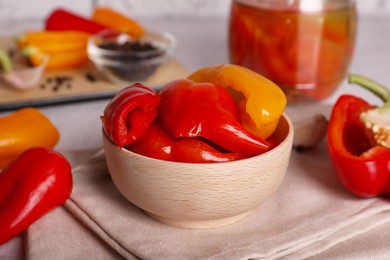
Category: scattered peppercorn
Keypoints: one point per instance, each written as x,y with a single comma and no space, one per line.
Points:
62,79
138,50
56,82
90,77
129,46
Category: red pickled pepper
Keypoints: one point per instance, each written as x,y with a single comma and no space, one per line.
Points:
36,182
196,151
206,110
134,119
158,143
130,113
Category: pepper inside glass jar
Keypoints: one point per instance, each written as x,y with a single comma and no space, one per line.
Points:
304,46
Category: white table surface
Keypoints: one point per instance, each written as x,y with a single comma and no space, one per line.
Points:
201,42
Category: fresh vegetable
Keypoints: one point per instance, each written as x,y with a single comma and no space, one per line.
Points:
20,78
115,20
260,101
361,165
206,110
62,49
36,182
376,120
310,132
24,129
25,78
129,114
56,60
66,35
54,41
64,20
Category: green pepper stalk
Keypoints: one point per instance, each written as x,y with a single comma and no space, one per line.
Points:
377,120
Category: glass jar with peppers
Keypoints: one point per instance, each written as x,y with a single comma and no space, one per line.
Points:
304,46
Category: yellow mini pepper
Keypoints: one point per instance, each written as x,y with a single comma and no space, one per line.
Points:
24,129
64,49
54,41
261,102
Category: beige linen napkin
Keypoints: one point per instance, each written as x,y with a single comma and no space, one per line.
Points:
308,215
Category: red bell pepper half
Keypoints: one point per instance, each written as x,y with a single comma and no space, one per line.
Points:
64,20
129,114
363,168
206,110
36,182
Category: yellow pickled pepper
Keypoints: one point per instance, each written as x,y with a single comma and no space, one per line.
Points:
260,101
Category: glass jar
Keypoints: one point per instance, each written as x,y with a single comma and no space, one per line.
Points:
304,46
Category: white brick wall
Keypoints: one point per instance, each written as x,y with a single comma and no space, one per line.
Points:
38,9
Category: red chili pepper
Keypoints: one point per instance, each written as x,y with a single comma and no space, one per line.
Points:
363,168
63,20
36,182
159,144
129,114
208,111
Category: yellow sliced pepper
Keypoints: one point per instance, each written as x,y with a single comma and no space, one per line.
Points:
24,129
260,101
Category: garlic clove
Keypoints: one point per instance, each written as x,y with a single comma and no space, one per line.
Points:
25,78
309,132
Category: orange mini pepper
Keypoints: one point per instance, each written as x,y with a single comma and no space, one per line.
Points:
115,20
63,49
54,41
24,129
260,101
56,60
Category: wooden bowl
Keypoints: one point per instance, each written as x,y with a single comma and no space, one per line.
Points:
199,195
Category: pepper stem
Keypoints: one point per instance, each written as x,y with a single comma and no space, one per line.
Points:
378,89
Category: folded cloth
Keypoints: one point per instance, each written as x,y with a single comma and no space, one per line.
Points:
308,216
58,235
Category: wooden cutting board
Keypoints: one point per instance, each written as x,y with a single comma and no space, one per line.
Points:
75,85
